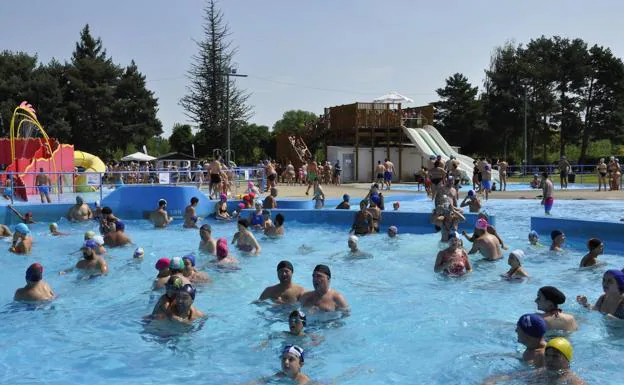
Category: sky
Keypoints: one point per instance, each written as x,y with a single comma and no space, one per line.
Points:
308,54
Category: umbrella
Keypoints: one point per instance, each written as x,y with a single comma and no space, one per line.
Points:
137,157
393,97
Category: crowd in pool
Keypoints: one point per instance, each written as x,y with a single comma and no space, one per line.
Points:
177,277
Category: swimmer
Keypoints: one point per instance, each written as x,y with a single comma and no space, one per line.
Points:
472,201
162,265
99,241
344,205
256,219
515,262
206,243
172,286
296,323
117,237
548,300
176,267
485,243
54,230
534,239
285,292
139,253
353,243
453,260
547,193
192,273
223,257
190,217
26,218
270,202
595,247
558,238
322,297
44,184
22,240
182,309
396,205
531,329
5,231
266,218
375,212
36,288
611,303
91,262
159,217
292,359
275,229
362,220
79,212
393,231
245,240
107,223
221,208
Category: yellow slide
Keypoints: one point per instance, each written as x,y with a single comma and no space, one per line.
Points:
90,163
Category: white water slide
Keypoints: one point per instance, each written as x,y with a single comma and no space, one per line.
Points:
429,141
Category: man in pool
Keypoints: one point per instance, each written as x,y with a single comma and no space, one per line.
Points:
36,288
558,239
453,260
270,202
363,220
275,229
79,212
55,231
22,240
548,300
472,201
176,267
292,359
244,239
322,298
547,193
531,329
91,263
117,237
159,216
190,217
182,309
595,248
344,205
43,183
393,231
206,243
26,218
285,292
190,272
534,238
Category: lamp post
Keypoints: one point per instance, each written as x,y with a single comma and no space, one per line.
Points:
525,130
230,72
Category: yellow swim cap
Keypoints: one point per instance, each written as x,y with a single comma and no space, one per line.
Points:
562,345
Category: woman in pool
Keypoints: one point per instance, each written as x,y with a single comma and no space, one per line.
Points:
595,247
256,219
611,302
244,239
453,261
515,262
223,257
221,208
534,239
162,265
363,220
548,300
450,222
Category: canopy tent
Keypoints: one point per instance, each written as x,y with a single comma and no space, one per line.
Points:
176,156
393,97
137,157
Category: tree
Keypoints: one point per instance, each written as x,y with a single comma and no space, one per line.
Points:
458,113
90,96
252,143
294,122
181,138
206,101
157,146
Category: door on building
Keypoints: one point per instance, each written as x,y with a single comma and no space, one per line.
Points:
348,167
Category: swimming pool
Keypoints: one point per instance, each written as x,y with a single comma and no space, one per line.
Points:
512,186
408,325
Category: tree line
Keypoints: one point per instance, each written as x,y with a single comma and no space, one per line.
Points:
573,96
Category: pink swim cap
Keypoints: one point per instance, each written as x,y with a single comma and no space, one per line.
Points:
223,197
241,206
250,184
482,224
222,248
162,263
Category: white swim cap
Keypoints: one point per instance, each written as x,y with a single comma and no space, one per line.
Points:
518,254
139,252
353,238
99,239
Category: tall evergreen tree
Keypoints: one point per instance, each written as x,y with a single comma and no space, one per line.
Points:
206,99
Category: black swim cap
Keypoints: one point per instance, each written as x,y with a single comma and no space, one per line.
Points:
553,294
554,234
323,269
286,264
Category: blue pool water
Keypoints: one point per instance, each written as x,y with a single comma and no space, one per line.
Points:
408,325
510,187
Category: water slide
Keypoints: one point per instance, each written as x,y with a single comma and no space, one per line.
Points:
429,141
90,163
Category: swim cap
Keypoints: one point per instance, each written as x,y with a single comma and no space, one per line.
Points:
346,197
352,238
482,224
533,325
174,282
53,225
120,226
294,350
376,199
176,263
162,263
471,193
484,214
518,254
89,234
90,244
563,346
241,206
258,204
191,258
252,195
323,269
533,234
619,278
222,248
397,204
285,264
99,240
553,294
34,273
190,290
453,235
554,234
394,229
139,252
298,314
162,202
250,184
79,200
22,229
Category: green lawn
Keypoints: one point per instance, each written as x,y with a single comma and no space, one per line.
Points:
580,178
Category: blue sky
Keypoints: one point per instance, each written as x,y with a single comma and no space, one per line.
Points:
309,54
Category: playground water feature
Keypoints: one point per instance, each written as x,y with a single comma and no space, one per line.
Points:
408,325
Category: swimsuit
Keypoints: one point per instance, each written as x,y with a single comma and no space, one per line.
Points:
388,176
380,175
272,177
215,178
312,176
436,181
44,189
257,219
548,203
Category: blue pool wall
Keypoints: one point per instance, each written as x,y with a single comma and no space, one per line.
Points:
580,231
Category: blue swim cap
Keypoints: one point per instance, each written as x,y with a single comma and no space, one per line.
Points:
22,228
294,350
194,218
533,234
619,278
119,225
191,258
532,325
346,197
90,244
471,193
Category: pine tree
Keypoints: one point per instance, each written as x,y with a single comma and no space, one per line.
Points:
206,99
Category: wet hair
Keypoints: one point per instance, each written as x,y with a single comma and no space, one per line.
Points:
554,234
107,210
279,219
593,243
194,200
243,222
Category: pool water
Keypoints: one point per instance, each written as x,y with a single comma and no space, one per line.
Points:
408,325
511,186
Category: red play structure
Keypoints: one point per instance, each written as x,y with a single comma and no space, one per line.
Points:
29,155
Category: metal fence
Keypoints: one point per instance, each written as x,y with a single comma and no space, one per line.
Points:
98,184
580,173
